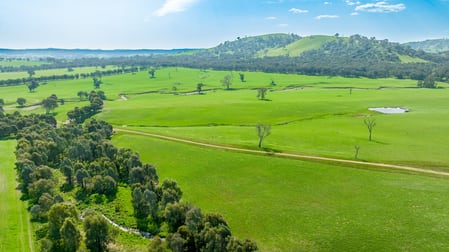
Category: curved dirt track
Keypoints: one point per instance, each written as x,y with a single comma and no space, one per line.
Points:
286,155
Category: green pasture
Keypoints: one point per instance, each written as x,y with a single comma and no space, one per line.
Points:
283,204
14,221
50,72
18,63
291,205
319,121
317,115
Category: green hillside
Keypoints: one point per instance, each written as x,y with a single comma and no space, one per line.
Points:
431,45
298,47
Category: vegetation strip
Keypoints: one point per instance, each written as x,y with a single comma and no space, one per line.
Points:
289,155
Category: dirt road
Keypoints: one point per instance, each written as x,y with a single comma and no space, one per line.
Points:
286,155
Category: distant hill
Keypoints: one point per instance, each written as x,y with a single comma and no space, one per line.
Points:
353,48
298,47
431,46
83,53
251,46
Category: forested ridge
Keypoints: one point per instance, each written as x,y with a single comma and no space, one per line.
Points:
354,56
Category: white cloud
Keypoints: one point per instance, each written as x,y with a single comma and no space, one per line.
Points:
173,6
350,3
271,18
327,3
282,25
381,7
297,11
355,14
326,16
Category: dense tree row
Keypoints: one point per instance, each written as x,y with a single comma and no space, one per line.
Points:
91,166
29,81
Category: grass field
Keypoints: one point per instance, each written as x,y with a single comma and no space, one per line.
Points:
50,72
291,205
284,204
15,233
18,63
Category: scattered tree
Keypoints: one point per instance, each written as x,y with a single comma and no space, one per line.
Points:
262,132
242,77
370,123
199,87
152,72
261,93
227,81
21,101
357,149
82,95
97,82
50,103
33,85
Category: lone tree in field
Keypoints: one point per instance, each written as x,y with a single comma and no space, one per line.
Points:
370,123
33,85
151,72
97,82
356,154
227,81
21,101
261,93
262,132
199,87
242,77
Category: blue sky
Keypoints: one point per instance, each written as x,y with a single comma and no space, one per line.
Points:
112,24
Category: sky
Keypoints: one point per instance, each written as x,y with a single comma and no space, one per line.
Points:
167,24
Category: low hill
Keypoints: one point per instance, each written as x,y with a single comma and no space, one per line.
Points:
431,45
251,46
298,47
351,48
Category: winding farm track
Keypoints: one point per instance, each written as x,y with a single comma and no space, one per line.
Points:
287,155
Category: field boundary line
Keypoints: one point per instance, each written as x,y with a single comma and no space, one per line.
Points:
285,155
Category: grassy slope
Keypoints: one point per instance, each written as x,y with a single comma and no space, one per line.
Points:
290,205
14,226
296,48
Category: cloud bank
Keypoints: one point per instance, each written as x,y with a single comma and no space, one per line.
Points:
297,11
381,7
326,17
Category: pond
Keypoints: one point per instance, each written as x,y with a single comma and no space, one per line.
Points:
389,110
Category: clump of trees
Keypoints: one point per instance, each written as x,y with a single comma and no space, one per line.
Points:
79,115
92,166
428,82
50,103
